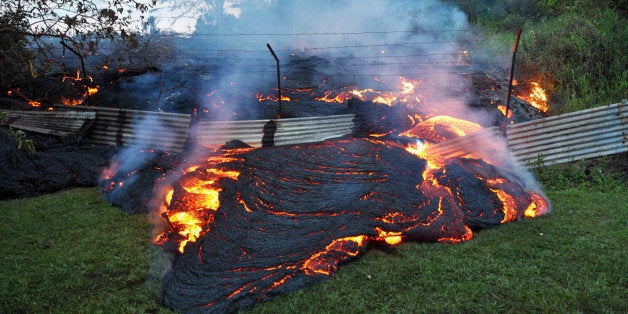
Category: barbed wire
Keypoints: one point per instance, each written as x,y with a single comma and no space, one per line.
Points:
309,33
424,43
414,56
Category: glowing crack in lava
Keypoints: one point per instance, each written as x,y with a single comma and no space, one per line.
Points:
270,221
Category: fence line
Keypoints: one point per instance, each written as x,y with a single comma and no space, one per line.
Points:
579,135
584,134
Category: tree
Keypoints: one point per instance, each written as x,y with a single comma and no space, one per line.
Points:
82,23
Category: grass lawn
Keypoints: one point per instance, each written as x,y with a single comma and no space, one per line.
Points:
73,252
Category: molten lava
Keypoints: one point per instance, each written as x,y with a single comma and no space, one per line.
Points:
439,129
407,93
245,225
85,85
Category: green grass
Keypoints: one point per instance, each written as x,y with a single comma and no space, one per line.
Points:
73,252
573,260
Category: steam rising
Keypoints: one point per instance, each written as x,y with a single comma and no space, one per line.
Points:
364,44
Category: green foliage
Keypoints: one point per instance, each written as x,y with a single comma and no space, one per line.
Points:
22,142
597,174
580,58
18,135
574,48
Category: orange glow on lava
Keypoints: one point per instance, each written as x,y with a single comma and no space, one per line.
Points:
390,237
441,128
204,197
509,205
319,264
538,207
502,108
188,226
86,84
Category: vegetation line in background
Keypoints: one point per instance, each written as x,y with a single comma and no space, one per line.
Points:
576,49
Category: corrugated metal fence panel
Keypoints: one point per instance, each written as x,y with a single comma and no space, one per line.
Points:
57,123
150,129
475,144
169,131
288,131
578,135
558,139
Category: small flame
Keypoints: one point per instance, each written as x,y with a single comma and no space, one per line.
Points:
91,91
261,97
502,108
168,197
537,97
407,86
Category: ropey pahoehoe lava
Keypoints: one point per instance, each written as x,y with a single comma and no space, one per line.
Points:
248,224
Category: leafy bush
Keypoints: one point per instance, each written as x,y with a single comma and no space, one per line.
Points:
574,48
580,59
18,135
598,174
15,57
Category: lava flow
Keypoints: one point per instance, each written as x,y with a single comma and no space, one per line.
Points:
248,224
86,84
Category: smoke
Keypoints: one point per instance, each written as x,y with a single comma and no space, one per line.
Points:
330,43
362,43
365,44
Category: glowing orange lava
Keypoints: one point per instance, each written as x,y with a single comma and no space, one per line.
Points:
86,84
319,264
203,198
538,207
